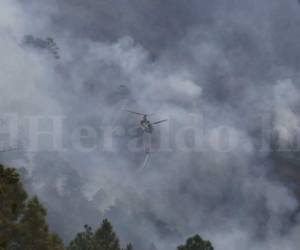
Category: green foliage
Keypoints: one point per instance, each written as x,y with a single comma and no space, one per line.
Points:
105,237
22,223
55,242
12,195
129,247
35,233
83,240
196,243
12,203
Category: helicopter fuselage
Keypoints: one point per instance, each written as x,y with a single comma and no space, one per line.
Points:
146,125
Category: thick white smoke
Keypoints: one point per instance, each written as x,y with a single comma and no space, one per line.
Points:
210,77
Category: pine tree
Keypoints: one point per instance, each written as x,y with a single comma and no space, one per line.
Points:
12,203
105,238
22,223
83,240
55,242
129,247
34,229
196,243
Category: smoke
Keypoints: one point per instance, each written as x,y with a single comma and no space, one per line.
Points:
215,71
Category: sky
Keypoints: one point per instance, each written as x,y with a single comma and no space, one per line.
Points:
224,74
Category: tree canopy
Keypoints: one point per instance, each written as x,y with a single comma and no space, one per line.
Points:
196,243
104,238
23,224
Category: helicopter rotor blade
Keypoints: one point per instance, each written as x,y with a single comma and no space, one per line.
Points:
154,123
137,113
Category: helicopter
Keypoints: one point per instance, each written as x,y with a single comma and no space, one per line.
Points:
145,124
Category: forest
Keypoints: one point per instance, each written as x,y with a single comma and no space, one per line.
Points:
23,224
